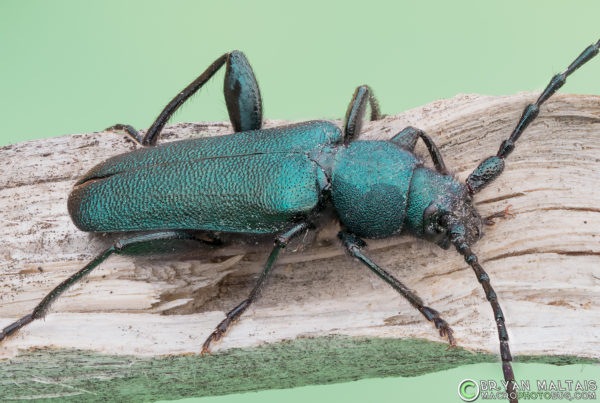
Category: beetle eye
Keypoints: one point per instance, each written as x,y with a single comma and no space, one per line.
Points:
432,223
430,211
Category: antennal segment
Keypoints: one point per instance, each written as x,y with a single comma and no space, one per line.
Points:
492,167
457,237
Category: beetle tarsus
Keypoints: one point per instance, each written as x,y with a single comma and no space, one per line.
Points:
489,220
15,326
444,328
130,130
222,327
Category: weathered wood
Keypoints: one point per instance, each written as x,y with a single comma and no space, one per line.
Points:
543,262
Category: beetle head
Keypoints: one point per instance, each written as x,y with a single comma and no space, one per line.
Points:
435,203
441,214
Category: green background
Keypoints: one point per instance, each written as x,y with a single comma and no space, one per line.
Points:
80,66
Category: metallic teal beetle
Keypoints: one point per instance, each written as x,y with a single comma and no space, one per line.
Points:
279,181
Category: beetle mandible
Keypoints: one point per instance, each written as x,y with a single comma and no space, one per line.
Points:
279,181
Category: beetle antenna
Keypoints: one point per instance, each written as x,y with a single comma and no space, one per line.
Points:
457,237
490,168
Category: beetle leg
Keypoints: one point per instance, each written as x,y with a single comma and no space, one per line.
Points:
353,244
151,136
489,220
280,242
142,244
490,168
407,139
242,94
242,97
356,112
137,136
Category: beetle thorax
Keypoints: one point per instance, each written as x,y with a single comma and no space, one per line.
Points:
370,184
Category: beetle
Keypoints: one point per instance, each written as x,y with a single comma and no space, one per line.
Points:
280,181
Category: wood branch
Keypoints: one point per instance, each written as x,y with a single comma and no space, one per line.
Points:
543,261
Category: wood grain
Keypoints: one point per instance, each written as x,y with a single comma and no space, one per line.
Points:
543,262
